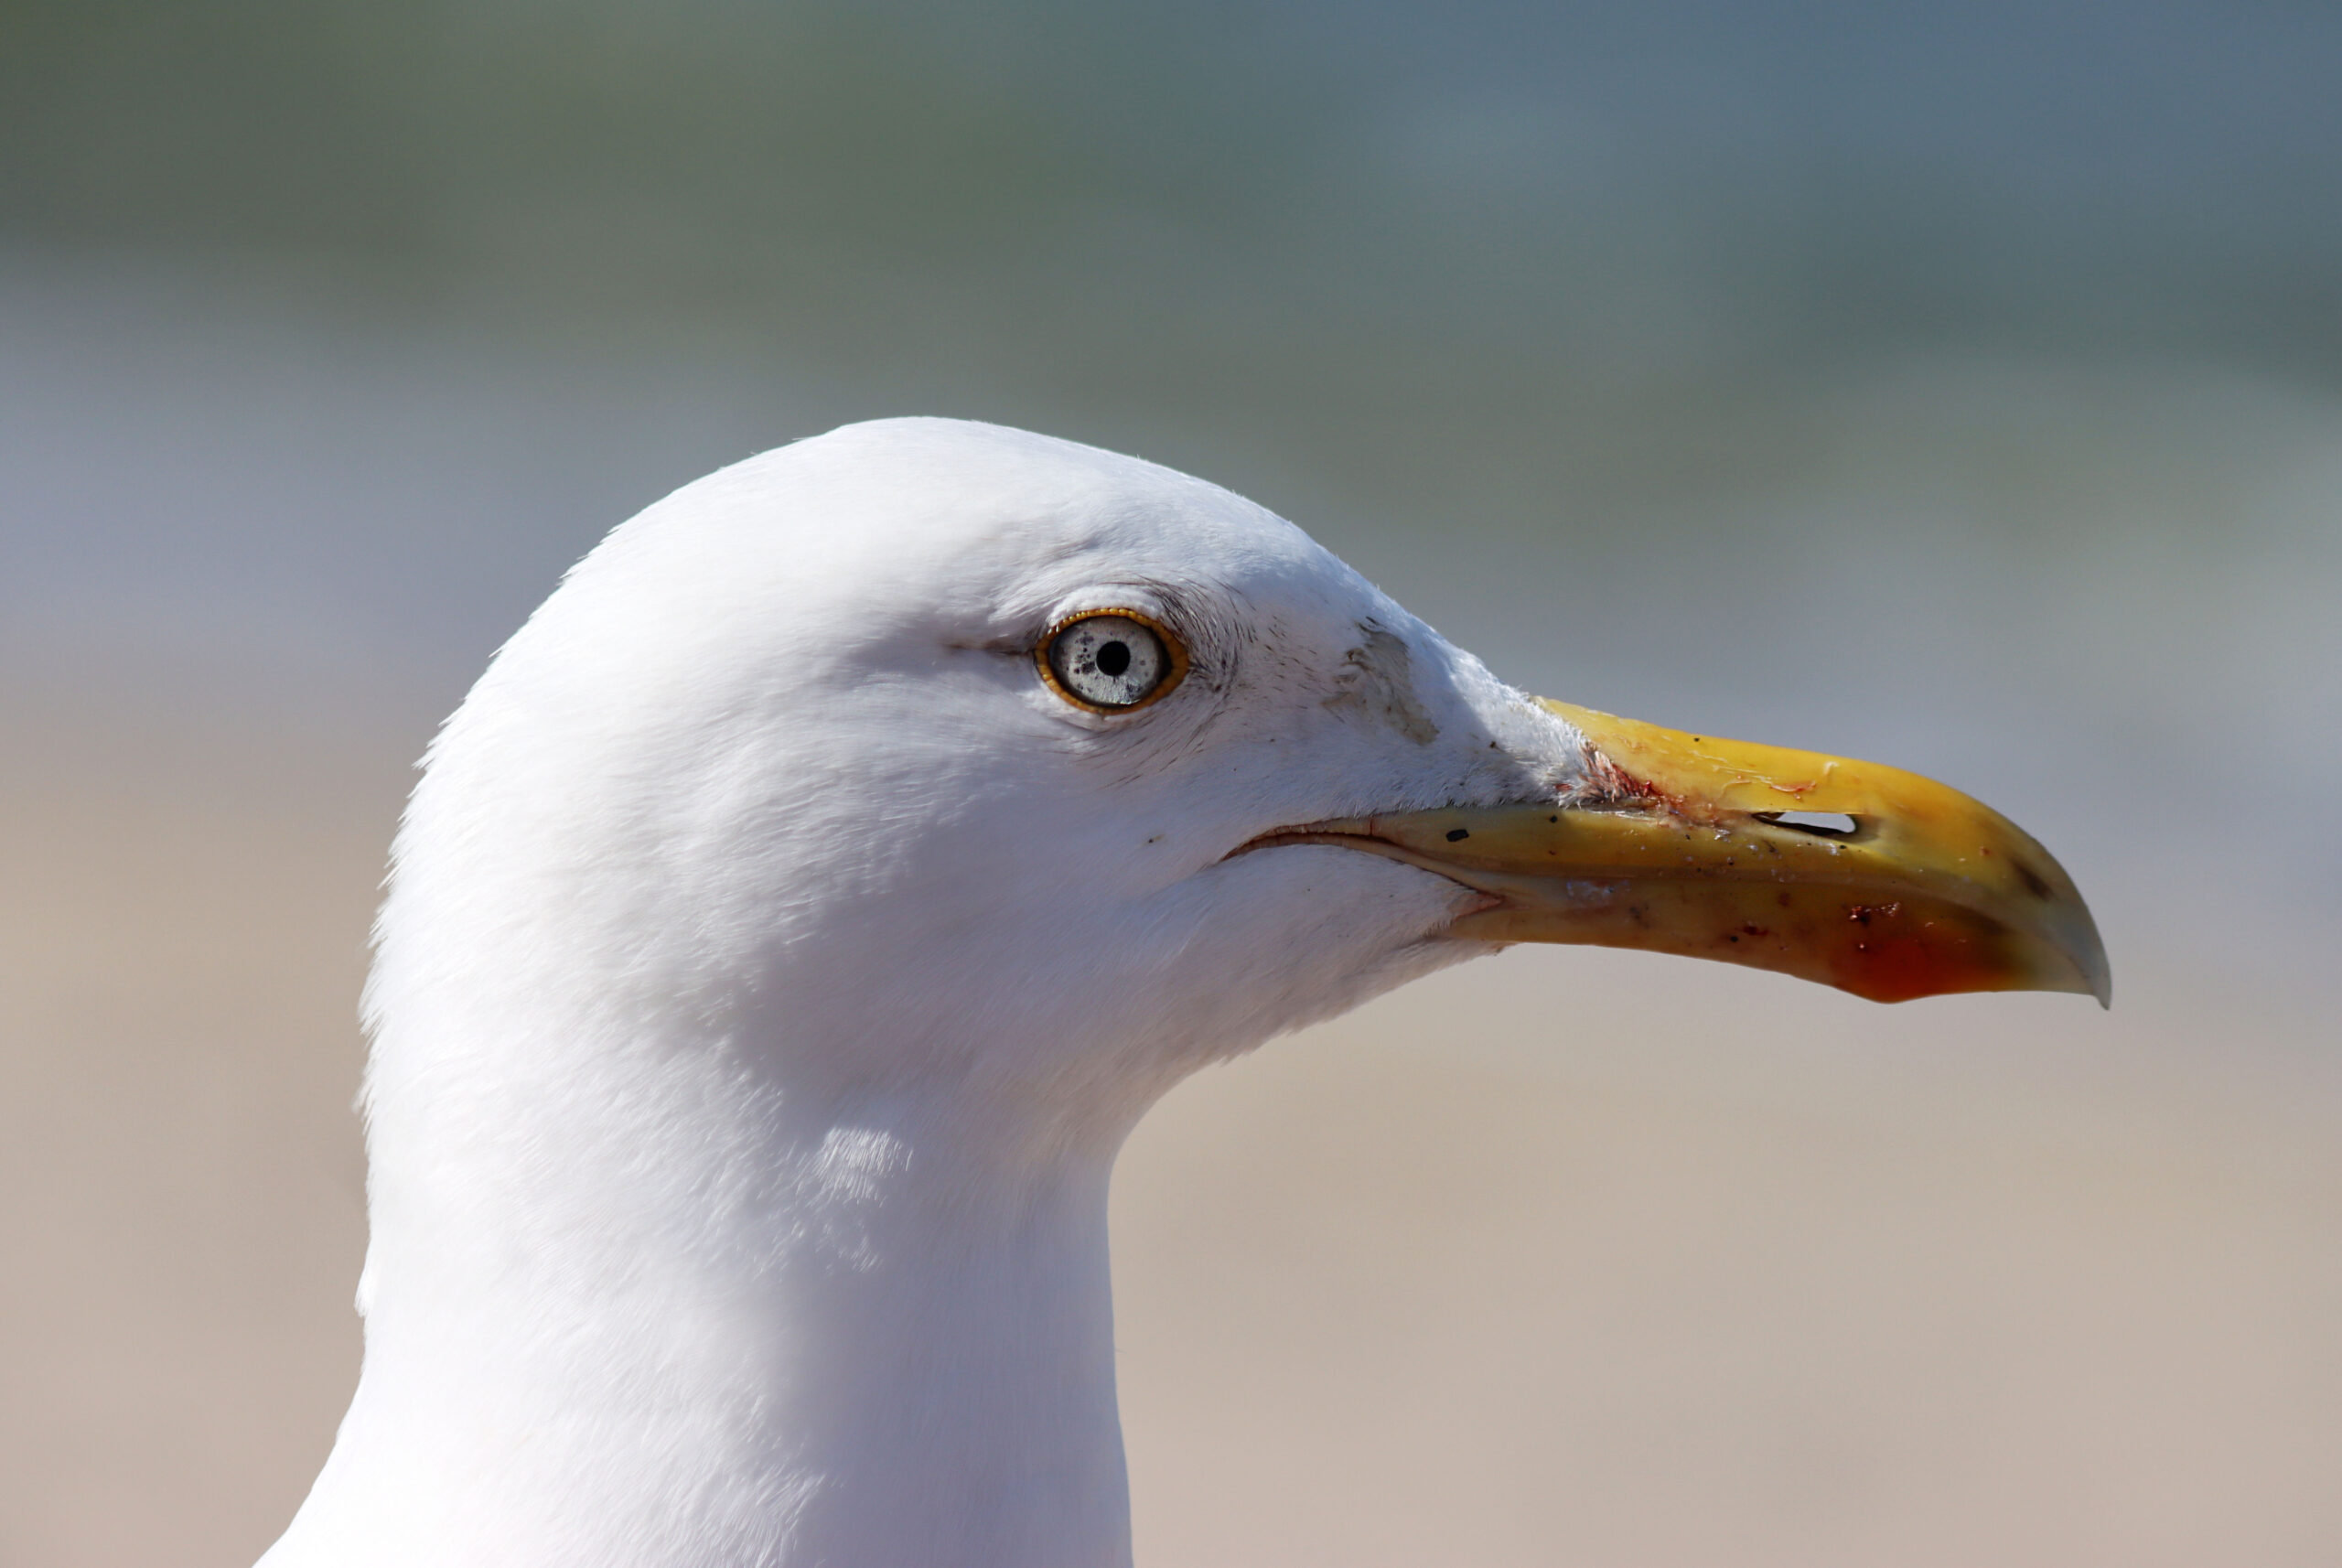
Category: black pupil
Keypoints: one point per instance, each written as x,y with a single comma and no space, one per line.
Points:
1113,657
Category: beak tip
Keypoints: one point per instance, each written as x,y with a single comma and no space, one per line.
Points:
2090,965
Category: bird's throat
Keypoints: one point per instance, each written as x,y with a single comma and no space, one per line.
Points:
876,1342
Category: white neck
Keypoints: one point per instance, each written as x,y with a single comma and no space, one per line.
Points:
758,1324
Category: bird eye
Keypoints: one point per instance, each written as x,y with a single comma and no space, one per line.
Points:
1111,661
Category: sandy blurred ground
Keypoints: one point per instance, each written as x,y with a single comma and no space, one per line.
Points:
1561,1258
181,1211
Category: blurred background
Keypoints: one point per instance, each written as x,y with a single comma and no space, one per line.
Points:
1958,386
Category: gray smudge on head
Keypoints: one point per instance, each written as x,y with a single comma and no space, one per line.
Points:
1377,679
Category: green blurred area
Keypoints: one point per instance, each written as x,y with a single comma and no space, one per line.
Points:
1470,208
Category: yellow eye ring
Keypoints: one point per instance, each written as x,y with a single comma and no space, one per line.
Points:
1111,660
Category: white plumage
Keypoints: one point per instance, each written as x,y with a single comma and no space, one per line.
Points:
773,964
792,923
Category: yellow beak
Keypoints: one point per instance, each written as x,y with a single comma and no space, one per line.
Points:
1681,846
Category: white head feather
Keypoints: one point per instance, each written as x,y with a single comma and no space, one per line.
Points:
773,964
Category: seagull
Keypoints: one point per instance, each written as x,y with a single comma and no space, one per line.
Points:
790,925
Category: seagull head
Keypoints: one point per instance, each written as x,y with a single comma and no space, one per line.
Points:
1001,765
797,915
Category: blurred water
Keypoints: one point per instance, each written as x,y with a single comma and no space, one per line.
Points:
1041,182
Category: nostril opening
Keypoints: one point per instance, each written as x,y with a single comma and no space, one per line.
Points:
1826,824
